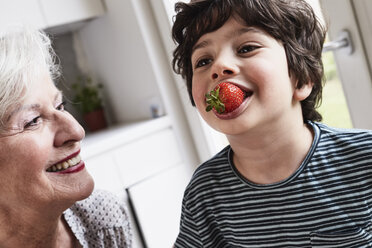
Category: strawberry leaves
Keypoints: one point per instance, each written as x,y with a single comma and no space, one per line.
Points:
213,101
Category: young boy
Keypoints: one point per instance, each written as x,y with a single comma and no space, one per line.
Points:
254,72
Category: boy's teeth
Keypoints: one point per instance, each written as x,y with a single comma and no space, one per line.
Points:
64,165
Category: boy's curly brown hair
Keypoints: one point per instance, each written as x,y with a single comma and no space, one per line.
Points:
293,22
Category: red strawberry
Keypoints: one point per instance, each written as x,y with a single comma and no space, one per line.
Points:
225,98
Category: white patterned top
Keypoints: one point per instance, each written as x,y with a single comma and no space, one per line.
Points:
100,221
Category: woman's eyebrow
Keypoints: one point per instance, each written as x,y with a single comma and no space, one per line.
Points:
32,107
28,107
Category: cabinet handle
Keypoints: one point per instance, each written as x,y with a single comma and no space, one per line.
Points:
343,41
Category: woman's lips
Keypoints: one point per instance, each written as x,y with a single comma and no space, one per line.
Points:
69,157
67,163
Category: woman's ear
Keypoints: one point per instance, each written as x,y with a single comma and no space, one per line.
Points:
302,93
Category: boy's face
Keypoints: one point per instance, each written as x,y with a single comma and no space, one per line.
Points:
256,62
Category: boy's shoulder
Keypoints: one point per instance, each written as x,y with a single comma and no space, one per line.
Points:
219,160
327,130
212,171
343,137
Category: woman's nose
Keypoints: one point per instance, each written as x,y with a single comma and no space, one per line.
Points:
223,66
68,130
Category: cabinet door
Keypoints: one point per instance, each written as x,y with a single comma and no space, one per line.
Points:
59,12
20,12
157,203
147,156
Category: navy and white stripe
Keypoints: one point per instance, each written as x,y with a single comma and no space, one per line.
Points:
327,202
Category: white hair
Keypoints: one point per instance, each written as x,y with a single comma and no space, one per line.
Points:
24,55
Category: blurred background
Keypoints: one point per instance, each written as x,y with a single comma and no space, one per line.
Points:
116,62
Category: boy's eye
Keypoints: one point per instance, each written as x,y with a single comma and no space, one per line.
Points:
203,62
35,121
247,49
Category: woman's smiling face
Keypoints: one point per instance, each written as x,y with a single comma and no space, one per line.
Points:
39,134
255,61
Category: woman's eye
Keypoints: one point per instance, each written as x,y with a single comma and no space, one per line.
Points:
61,106
247,49
35,121
203,62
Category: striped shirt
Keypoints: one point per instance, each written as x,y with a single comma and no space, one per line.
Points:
327,202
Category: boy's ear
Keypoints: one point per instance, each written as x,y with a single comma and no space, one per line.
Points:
302,93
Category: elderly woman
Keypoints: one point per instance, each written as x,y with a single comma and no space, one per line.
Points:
46,197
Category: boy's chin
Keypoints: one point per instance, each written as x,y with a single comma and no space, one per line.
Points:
230,129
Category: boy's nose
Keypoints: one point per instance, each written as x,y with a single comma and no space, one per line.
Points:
216,75
223,67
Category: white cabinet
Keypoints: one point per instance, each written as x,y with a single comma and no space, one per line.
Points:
20,12
43,14
144,160
59,12
127,154
147,156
